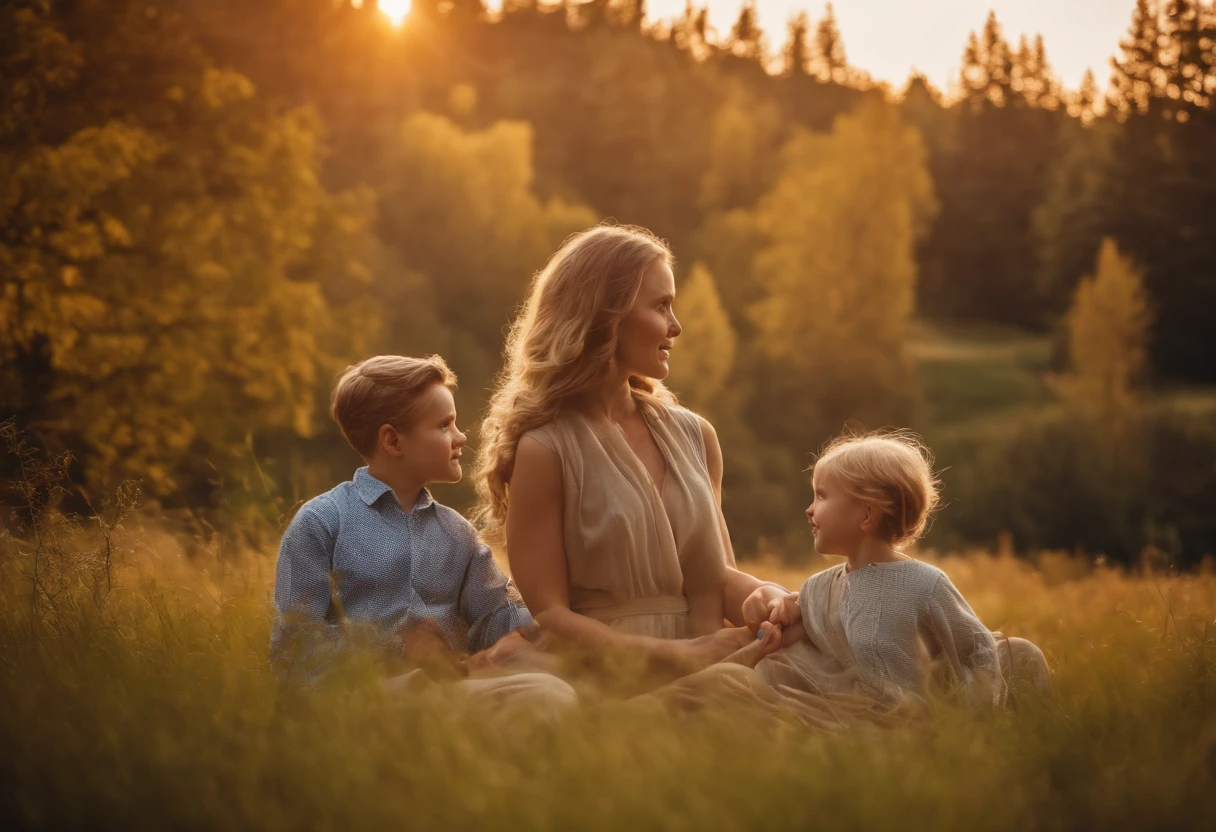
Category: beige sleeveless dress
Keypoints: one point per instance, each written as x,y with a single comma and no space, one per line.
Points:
640,560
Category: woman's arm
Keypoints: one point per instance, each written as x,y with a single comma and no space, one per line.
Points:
537,554
744,605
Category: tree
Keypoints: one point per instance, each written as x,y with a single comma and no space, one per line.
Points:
1085,104
459,207
175,278
1108,325
992,176
829,62
838,270
796,56
1136,84
707,345
1156,193
746,37
744,139
1069,223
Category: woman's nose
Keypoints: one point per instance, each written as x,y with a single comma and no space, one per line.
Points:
674,329
461,438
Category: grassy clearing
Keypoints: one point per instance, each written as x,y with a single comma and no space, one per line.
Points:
972,372
152,707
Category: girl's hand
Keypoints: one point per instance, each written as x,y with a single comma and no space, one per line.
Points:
756,606
785,611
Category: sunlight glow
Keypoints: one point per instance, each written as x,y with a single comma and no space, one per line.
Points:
395,10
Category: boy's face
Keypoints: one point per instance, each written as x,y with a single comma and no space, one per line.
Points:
430,448
836,517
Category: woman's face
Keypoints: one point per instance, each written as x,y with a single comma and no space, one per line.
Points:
645,336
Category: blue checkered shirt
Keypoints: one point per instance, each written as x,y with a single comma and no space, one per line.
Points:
355,568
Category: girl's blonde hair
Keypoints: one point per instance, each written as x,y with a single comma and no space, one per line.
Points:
561,346
892,470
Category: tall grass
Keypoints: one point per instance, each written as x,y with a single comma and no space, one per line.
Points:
152,706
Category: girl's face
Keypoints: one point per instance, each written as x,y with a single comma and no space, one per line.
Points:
836,518
646,333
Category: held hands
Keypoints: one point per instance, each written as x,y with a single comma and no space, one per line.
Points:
758,607
424,645
785,610
501,652
774,605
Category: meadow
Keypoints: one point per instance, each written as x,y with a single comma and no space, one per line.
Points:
137,695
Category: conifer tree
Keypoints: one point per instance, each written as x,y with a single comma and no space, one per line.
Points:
829,62
746,37
1108,326
796,54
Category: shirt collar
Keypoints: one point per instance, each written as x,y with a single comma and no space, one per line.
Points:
371,490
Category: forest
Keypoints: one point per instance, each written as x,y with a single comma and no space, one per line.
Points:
209,208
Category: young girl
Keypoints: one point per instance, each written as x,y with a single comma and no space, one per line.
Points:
882,622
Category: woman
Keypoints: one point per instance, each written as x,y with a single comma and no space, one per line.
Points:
610,496
608,492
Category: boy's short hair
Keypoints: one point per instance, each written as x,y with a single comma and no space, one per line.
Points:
383,390
892,470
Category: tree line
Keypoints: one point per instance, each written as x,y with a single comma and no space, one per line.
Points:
211,207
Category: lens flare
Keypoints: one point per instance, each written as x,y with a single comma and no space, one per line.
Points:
395,10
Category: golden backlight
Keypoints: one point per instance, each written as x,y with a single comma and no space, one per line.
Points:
395,10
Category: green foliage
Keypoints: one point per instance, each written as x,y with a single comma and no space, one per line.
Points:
1149,185
170,272
1055,482
708,344
974,373
838,272
213,206
459,206
991,175
1107,326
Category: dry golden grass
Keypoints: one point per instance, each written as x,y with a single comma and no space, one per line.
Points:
153,706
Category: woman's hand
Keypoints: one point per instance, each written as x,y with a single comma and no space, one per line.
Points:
424,645
767,641
757,607
501,652
694,654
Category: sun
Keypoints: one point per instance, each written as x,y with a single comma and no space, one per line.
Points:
395,10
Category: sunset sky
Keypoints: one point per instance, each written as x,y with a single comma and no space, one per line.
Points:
888,38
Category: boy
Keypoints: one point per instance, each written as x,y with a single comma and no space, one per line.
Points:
407,574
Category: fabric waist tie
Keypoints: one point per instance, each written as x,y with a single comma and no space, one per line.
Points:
660,605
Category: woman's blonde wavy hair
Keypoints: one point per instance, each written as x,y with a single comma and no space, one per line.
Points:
560,347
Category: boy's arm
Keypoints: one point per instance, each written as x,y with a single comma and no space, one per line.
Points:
303,643
489,601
